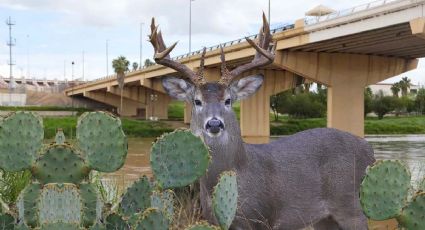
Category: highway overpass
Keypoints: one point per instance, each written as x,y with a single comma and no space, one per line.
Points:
346,51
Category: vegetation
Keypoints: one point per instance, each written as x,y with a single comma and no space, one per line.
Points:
135,66
120,65
44,108
149,62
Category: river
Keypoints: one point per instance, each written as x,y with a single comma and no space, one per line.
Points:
408,148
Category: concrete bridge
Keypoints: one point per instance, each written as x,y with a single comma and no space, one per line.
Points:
346,51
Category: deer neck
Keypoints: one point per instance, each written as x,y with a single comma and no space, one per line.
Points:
227,150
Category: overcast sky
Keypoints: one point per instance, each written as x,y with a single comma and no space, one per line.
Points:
56,32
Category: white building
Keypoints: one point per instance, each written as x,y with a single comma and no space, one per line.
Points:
386,89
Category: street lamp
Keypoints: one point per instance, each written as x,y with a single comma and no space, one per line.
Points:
190,25
107,61
73,83
269,14
141,45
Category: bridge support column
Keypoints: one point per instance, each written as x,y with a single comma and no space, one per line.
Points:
255,110
187,112
130,107
158,106
346,108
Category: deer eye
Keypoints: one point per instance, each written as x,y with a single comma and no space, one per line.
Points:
198,102
227,102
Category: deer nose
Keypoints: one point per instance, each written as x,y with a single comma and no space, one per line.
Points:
214,125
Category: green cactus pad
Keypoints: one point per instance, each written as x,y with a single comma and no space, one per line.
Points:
137,197
60,226
422,185
89,199
152,218
60,137
7,222
60,164
28,204
115,222
164,201
102,139
178,159
413,215
60,203
21,136
202,226
97,226
384,189
225,199
21,226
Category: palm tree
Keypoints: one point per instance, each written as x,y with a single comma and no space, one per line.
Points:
148,62
120,65
404,85
395,89
135,66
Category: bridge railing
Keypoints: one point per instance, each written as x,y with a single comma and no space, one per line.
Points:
277,28
311,20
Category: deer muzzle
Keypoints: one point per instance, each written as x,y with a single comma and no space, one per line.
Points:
214,125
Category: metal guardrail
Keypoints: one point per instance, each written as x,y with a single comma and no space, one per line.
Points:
278,28
311,20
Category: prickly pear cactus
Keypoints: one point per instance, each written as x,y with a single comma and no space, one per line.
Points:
164,201
60,164
102,140
422,185
116,222
202,226
7,222
152,218
178,159
225,199
21,136
413,215
91,205
28,204
60,226
137,197
60,203
384,189
97,226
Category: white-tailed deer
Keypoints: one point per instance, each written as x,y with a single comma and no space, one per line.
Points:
308,179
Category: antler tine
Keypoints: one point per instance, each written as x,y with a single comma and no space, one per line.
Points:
162,54
200,73
264,53
226,77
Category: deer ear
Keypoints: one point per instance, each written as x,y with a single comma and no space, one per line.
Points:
246,86
178,88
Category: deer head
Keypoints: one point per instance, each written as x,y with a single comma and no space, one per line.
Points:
212,114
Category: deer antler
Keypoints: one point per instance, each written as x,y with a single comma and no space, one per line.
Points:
162,56
265,54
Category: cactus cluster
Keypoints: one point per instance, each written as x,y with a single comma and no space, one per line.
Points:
384,194
60,195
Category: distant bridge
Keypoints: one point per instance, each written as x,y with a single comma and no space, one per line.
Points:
346,50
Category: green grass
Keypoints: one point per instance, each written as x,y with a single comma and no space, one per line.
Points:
131,127
176,110
388,125
42,108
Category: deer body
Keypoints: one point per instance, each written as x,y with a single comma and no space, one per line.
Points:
310,178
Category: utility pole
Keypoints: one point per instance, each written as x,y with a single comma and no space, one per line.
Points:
64,70
269,14
141,45
83,65
12,85
190,26
107,61
28,57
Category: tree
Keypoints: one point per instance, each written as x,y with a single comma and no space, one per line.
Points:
148,62
135,66
120,65
395,89
368,97
420,101
404,85
279,103
382,105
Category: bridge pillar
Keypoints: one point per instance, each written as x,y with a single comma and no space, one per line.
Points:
346,76
130,107
255,110
157,105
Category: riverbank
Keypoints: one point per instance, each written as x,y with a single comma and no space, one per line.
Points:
388,125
